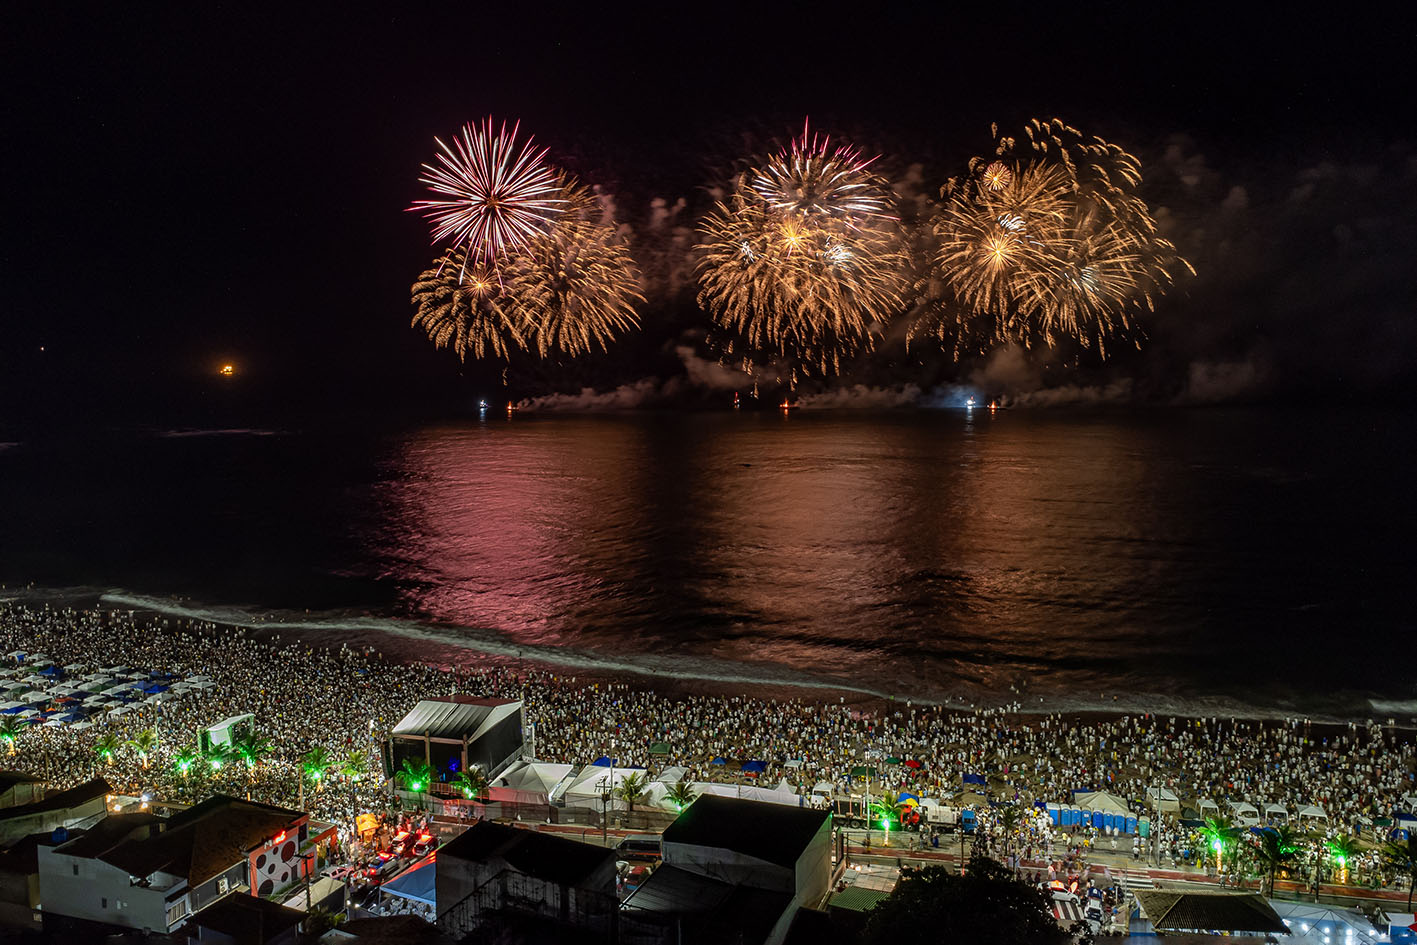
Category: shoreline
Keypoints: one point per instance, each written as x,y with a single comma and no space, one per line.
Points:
409,642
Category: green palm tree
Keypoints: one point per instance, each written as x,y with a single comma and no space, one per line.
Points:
632,788
185,759
314,764
1276,848
472,783
1220,834
143,744
10,729
681,794
1402,857
1341,850
355,766
251,747
415,776
219,756
106,746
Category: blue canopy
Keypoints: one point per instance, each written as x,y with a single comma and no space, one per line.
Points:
13,710
758,766
154,689
418,884
975,779
720,760
50,671
72,717
907,794
605,761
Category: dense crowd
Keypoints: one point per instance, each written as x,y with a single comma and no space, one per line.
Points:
345,700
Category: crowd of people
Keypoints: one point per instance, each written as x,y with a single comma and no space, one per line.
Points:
345,700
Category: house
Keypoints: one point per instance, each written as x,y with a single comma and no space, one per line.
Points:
494,869
136,871
247,920
69,808
734,870
753,843
16,787
450,734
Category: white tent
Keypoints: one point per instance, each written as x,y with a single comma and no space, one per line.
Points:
1246,814
35,698
1204,804
1163,799
1318,924
748,792
1100,800
529,782
1276,812
824,788
1312,811
585,787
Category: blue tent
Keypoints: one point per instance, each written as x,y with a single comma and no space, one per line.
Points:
154,689
14,710
974,779
720,760
605,761
72,717
50,671
758,766
418,884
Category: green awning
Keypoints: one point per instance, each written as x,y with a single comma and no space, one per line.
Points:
659,748
862,771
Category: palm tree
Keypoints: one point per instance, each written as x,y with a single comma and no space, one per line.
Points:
1275,848
185,759
1220,833
218,756
10,729
106,746
1402,857
681,794
1342,849
251,747
355,765
632,788
472,783
415,776
143,743
314,764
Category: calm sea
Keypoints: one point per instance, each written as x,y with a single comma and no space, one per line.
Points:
1222,560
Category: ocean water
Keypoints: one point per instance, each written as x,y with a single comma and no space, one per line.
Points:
1224,560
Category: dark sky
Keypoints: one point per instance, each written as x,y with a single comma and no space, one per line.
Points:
222,182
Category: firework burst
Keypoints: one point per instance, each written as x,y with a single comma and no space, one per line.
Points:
494,195
802,261
1049,246
567,290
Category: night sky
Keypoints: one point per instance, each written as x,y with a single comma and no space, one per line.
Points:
223,183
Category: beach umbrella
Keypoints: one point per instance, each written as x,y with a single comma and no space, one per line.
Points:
605,761
720,760
912,763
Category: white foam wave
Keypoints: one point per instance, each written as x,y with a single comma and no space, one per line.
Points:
236,431
491,643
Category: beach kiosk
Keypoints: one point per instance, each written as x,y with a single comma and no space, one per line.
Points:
226,732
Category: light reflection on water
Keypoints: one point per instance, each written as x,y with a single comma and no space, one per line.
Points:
925,553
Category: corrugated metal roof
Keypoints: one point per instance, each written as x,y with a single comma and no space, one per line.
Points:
458,720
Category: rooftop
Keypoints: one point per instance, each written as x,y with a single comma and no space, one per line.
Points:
250,920
455,717
543,855
1209,911
773,833
721,911
72,797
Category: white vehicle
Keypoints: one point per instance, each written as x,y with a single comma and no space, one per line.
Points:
1094,917
938,814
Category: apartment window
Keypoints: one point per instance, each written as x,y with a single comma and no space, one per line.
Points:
104,900
76,868
176,911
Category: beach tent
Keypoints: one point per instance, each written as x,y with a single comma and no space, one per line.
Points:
792,763
35,698
1246,814
11,707
719,760
821,788
1312,812
749,792
1276,813
74,668
1316,924
1163,799
529,782
1205,807
754,767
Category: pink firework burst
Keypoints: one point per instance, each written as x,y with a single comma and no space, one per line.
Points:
812,178
497,196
